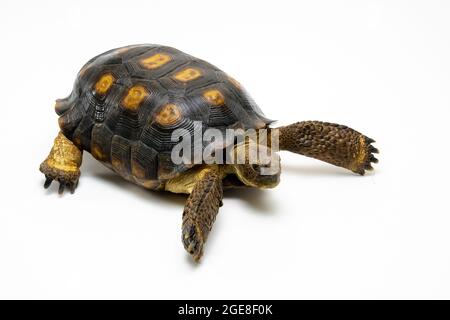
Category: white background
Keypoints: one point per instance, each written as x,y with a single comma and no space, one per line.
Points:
381,67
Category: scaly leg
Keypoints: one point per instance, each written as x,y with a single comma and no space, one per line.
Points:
201,210
332,143
62,164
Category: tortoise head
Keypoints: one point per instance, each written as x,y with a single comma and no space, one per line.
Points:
256,165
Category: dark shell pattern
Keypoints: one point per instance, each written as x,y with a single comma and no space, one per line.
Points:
126,103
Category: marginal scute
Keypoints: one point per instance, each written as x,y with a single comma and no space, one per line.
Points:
137,170
101,138
124,49
61,122
97,152
235,82
120,156
148,184
103,84
167,169
155,61
60,104
143,162
134,97
168,115
214,97
84,69
77,142
118,165
187,74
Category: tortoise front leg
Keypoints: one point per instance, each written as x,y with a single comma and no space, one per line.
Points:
201,210
332,143
62,164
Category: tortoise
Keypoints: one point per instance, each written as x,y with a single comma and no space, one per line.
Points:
126,104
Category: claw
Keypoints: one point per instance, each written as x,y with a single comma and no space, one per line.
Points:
61,188
369,140
48,182
192,242
64,152
373,159
372,149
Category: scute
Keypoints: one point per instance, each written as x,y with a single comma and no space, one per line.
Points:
144,162
127,102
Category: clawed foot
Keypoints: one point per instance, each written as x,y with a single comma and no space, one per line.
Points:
192,240
366,156
62,164
67,179
70,185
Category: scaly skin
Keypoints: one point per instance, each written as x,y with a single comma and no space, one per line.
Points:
62,164
332,143
201,210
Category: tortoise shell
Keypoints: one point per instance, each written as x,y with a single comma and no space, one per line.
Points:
126,103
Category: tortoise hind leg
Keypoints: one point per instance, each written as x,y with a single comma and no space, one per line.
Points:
332,143
62,164
201,210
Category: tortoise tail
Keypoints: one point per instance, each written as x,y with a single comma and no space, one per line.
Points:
63,105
